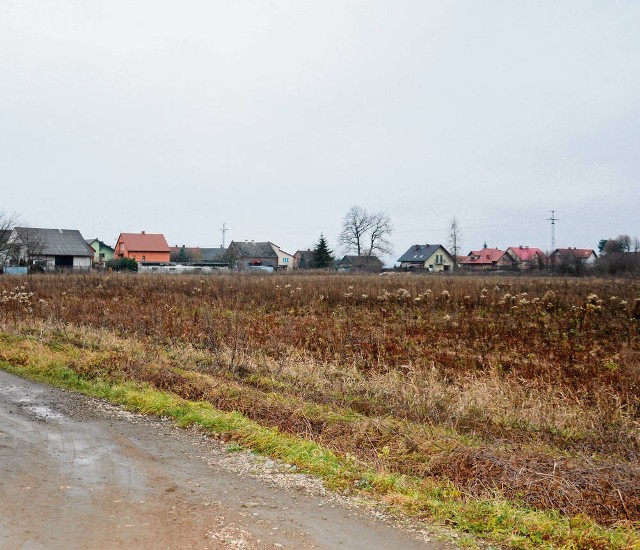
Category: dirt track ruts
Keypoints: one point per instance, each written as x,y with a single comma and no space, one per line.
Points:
79,473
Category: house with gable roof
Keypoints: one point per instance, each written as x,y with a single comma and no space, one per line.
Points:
572,260
250,254
487,259
285,260
351,264
304,259
527,258
50,249
432,257
102,252
143,247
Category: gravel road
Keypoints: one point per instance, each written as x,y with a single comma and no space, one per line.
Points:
78,472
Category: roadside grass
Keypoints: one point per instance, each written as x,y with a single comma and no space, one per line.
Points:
68,359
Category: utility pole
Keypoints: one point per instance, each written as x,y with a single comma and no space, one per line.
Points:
553,221
224,230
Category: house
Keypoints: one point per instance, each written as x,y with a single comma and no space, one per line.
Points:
143,247
527,258
572,260
304,259
102,252
285,260
244,255
199,257
432,257
214,257
487,259
184,254
351,264
50,249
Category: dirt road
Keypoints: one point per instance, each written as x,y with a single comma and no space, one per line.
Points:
79,473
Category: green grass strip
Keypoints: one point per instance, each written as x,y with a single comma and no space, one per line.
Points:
501,522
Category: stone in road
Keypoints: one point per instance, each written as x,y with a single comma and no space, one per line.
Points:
76,472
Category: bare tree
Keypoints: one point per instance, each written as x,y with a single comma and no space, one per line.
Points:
27,248
378,237
455,240
7,223
355,225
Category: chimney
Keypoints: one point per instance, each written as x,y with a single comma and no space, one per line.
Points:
143,232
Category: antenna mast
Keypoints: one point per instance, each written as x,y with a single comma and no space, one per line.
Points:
553,221
224,230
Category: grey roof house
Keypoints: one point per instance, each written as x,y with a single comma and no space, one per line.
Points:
245,255
432,257
352,264
51,249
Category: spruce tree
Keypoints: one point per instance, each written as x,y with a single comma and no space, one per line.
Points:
322,255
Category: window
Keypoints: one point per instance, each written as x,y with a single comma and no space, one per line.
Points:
121,246
144,258
285,260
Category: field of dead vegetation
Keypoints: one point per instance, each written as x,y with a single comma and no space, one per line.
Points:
520,395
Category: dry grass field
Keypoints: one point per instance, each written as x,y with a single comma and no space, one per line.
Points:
491,399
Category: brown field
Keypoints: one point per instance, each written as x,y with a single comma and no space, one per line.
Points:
524,389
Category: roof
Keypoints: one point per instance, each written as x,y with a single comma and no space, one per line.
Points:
277,249
486,256
526,253
363,262
101,244
55,242
420,252
581,253
213,254
193,253
144,242
253,249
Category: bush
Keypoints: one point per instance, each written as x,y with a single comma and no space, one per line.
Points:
122,264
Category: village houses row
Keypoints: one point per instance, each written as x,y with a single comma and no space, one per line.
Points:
53,249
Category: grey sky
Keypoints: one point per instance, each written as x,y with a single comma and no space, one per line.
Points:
276,117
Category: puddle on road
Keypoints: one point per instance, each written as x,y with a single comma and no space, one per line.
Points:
42,411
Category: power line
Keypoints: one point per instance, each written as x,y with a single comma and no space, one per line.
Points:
224,230
553,221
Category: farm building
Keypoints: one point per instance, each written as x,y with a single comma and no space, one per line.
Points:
244,255
50,249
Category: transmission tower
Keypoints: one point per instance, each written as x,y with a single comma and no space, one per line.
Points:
224,230
553,221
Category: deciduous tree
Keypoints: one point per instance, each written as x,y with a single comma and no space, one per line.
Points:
366,234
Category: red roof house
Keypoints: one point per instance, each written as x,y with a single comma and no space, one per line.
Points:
487,258
143,247
527,257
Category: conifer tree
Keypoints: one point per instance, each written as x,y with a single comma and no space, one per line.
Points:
322,255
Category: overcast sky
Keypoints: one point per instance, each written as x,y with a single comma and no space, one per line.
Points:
276,117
